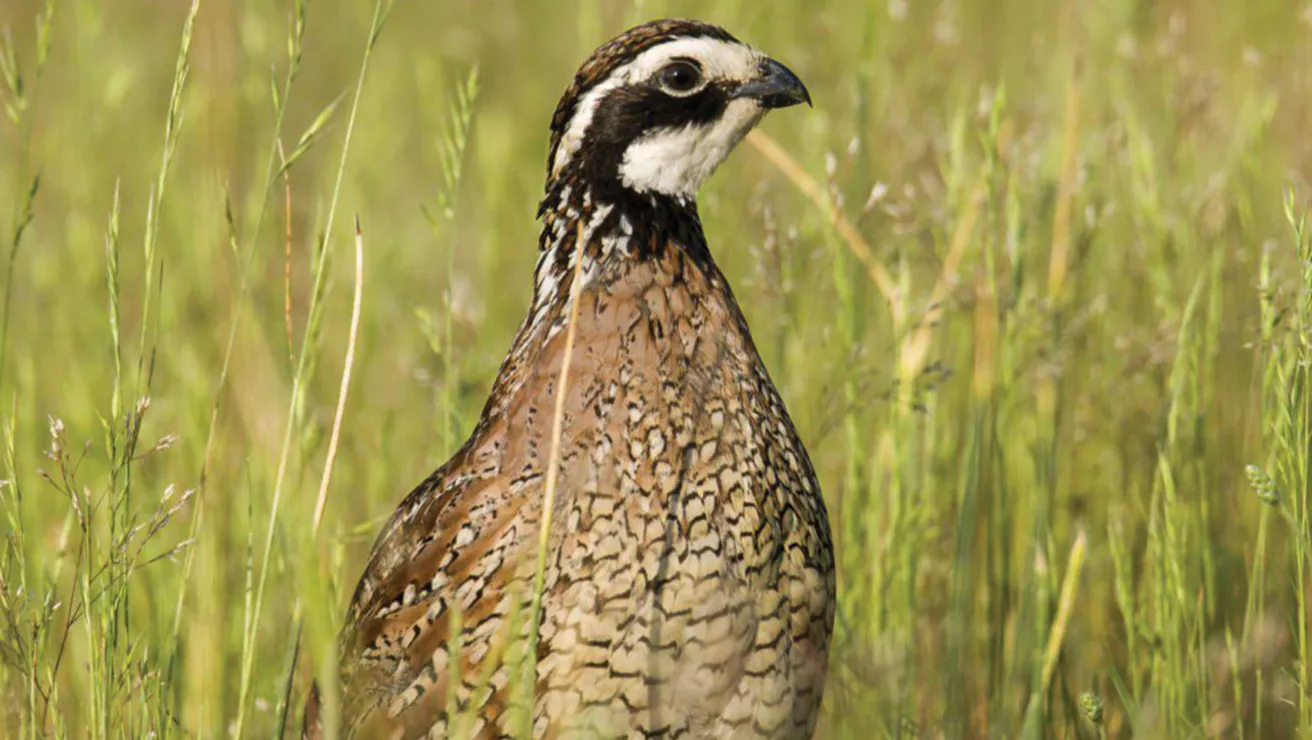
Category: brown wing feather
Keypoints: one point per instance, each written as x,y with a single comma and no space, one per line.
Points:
464,539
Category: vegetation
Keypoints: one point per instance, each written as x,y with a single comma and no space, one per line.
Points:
1035,280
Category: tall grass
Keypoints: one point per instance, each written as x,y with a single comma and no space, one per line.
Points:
1033,279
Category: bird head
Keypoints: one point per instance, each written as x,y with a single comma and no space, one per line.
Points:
655,110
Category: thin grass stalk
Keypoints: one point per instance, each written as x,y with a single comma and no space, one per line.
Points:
381,10
172,125
352,335
23,111
329,463
295,40
1268,321
287,252
452,143
553,472
851,513
1034,616
1036,710
913,356
1295,505
121,505
12,495
961,589
112,276
115,610
784,162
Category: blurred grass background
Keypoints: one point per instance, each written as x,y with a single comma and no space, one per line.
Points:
1055,379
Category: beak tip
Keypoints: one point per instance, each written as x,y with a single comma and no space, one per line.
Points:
791,88
777,87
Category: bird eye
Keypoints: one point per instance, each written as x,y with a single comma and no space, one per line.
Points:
680,78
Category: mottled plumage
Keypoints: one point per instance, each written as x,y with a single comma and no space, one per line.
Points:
689,580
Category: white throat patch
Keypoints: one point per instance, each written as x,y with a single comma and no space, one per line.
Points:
676,161
720,60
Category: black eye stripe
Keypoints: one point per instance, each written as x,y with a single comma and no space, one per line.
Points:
629,112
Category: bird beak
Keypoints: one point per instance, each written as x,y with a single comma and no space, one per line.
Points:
776,87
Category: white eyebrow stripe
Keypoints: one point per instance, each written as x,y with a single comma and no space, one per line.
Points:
719,60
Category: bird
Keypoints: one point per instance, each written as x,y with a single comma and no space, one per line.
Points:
687,580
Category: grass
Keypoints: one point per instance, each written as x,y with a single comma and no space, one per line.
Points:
1035,281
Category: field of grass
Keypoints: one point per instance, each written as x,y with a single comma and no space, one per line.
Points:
1033,278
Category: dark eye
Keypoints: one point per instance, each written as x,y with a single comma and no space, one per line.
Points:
680,78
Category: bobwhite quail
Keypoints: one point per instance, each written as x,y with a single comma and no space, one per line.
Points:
689,581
